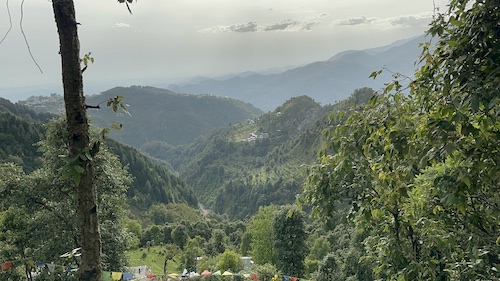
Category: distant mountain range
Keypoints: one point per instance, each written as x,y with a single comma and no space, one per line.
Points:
325,81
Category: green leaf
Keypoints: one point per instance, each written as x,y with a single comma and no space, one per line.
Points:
452,43
455,21
117,126
77,177
79,169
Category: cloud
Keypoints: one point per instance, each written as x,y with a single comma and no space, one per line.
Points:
356,21
309,25
246,27
411,20
417,20
284,25
241,28
121,25
288,25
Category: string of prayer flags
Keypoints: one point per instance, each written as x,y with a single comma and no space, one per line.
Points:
116,275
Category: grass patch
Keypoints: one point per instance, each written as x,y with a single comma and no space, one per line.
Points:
153,257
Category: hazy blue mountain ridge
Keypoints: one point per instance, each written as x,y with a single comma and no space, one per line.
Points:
325,81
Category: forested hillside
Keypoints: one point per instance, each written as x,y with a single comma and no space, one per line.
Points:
236,169
158,114
153,181
22,129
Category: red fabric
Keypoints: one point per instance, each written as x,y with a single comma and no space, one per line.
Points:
7,265
150,275
294,278
255,277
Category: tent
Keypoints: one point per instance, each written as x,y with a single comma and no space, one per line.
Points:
194,274
173,275
206,273
217,273
227,273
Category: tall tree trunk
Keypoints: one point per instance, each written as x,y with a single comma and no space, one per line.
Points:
78,134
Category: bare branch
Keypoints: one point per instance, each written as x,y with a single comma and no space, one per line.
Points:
10,22
25,39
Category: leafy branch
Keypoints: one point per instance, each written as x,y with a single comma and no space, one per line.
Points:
75,166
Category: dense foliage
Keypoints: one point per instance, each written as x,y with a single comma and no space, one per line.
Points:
20,128
289,241
420,171
153,181
37,209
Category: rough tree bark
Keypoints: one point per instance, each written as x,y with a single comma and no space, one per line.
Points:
78,139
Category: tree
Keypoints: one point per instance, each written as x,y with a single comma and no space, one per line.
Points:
49,204
261,231
289,241
245,245
230,260
329,269
420,171
190,253
15,239
217,243
265,271
80,147
320,248
78,139
180,236
171,251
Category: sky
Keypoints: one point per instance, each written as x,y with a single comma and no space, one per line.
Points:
168,41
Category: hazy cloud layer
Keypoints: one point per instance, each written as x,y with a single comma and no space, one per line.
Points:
307,24
356,21
412,20
284,25
253,26
422,19
246,27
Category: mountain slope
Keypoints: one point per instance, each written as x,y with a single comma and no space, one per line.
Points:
21,128
236,169
159,114
325,81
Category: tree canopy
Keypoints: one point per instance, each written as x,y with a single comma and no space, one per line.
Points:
37,210
419,171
